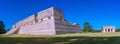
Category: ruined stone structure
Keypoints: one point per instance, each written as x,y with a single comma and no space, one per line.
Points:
108,29
47,22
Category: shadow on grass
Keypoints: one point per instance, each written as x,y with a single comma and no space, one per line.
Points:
60,40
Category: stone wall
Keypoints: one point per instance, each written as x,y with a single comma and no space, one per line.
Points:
58,14
47,22
44,24
64,27
27,21
44,27
45,13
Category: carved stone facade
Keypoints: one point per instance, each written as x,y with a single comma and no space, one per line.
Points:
108,29
47,22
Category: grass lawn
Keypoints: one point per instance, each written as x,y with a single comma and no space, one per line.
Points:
75,38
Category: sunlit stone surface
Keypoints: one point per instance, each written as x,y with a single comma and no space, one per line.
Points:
108,29
47,22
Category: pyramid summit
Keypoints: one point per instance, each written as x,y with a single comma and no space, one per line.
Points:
47,22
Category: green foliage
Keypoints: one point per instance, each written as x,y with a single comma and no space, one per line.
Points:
96,30
118,30
87,27
2,27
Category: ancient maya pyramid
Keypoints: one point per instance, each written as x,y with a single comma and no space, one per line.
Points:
47,22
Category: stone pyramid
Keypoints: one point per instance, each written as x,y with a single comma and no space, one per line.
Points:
47,22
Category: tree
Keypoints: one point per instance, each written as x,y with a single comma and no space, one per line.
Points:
2,27
118,30
87,27
96,30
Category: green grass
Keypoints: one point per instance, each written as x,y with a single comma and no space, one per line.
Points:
75,38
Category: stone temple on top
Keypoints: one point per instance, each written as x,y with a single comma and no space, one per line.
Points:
47,22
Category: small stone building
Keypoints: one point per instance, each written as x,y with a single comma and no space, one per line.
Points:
47,22
108,29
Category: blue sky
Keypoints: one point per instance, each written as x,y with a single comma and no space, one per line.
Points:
97,12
